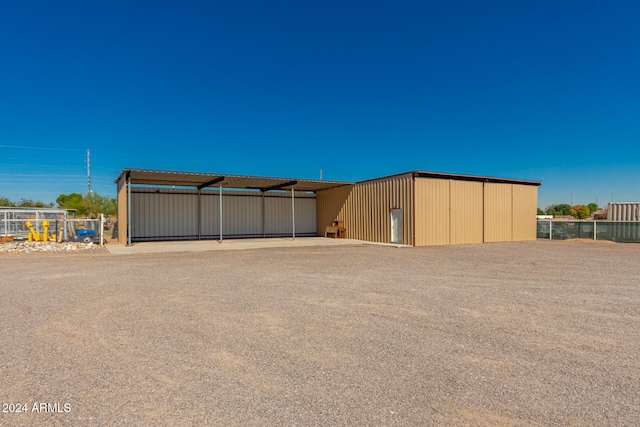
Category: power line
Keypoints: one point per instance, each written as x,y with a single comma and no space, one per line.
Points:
22,147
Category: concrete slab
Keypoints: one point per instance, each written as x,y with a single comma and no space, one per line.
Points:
234,244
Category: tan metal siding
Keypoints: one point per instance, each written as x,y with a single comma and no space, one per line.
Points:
432,198
466,212
122,210
498,212
525,207
366,208
329,204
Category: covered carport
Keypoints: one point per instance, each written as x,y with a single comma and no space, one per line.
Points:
171,205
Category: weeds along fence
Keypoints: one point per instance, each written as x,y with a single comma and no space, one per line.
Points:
615,231
64,229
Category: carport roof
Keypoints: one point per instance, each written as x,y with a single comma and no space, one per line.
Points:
204,180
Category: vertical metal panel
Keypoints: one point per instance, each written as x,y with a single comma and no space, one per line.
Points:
498,212
278,214
466,212
331,203
170,214
122,210
366,208
210,214
158,214
242,215
525,207
432,199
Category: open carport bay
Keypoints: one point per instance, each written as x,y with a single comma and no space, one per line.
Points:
524,333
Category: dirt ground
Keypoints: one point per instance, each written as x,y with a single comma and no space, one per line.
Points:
530,333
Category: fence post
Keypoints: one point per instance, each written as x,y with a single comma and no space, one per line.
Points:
550,229
594,230
101,229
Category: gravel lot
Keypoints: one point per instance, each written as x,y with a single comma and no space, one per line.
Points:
524,333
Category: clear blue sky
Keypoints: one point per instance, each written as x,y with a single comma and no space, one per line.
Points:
540,90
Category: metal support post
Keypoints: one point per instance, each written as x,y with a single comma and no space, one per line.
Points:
594,230
199,228
293,212
129,210
550,229
220,197
101,229
264,230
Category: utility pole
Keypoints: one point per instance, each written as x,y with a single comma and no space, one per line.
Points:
88,171
320,174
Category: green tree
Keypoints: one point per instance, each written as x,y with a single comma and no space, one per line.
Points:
72,201
584,212
593,207
580,211
540,211
28,203
24,203
92,204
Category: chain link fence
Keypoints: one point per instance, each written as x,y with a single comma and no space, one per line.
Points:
55,229
628,232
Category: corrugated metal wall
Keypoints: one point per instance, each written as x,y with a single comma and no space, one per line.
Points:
623,212
432,198
498,212
525,208
466,212
170,214
122,210
448,212
329,204
366,208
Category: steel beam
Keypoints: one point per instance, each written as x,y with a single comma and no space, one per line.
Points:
279,186
210,183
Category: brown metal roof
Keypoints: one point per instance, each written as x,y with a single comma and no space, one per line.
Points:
460,177
203,180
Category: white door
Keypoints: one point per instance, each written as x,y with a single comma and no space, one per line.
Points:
396,226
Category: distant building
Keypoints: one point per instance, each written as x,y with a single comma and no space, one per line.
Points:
624,211
599,214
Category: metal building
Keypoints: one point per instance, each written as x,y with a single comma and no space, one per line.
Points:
214,206
414,208
428,208
623,211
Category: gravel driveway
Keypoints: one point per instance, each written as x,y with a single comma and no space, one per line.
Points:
523,333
